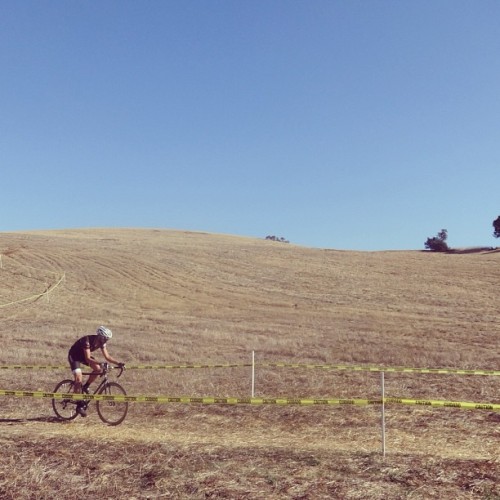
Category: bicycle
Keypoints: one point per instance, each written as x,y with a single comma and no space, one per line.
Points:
110,412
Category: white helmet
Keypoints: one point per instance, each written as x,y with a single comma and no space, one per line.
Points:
104,332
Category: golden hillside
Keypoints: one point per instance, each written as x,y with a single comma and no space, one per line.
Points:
230,295
174,297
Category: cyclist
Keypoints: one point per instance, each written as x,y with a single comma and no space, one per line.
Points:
80,352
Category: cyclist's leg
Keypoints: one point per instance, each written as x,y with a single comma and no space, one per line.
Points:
96,370
77,373
78,377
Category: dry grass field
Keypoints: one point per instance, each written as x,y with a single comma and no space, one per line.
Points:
175,297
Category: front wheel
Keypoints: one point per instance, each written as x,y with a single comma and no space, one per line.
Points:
65,409
112,412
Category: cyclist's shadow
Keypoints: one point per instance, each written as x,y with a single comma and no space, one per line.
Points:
32,419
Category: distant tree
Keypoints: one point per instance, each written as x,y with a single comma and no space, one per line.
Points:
496,226
438,242
276,238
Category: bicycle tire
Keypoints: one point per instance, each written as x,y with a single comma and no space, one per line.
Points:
112,412
65,409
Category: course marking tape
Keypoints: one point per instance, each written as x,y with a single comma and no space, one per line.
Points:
387,369
38,295
443,404
251,401
25,367
397,369
130,367
196,365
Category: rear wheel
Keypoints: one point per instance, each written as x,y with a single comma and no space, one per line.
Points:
65,409
110,411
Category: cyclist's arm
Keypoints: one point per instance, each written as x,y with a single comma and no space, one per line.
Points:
88,357
108,357
90,361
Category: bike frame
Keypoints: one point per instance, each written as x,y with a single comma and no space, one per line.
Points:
104,375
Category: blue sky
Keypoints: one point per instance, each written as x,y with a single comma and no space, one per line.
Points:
363,125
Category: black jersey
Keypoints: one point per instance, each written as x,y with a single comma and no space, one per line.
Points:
91,342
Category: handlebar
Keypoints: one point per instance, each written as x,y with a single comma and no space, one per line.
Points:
121,368
106,367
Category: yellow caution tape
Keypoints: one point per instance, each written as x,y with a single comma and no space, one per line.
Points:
36,296
26,367
397,369
129,367
387,369
251,401
443,404
163,367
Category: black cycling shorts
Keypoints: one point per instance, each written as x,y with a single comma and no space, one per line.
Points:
75,363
